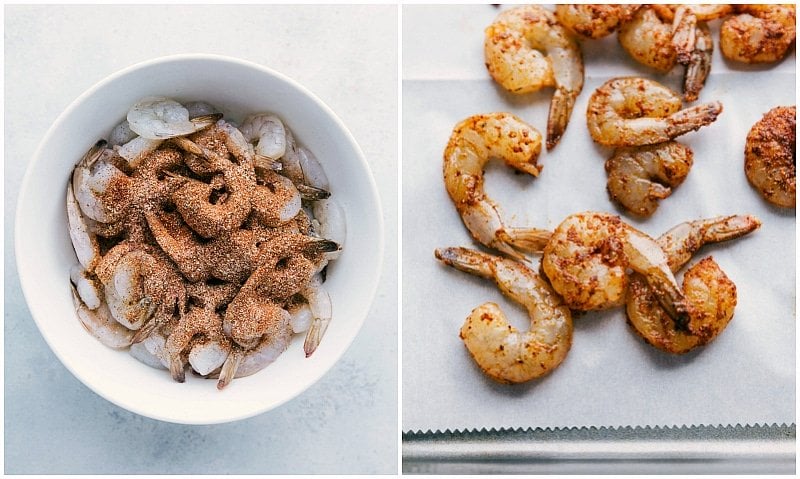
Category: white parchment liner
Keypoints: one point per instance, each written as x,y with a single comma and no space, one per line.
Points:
610,377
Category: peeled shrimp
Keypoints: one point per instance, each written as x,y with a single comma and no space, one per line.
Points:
473,142
159,118
638,177
140,287
97,183
199,337
84,241
269,133
758,33
275,199
526,49
588,256
319,302
710,295
193,199
594,20
770,156
501,351
632,111
647,38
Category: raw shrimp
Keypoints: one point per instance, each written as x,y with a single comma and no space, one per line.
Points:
501,351
159,118
648,39
631,111
710,294
473,142
758,33
268,130
241,363
588,256
84,241
100,324
98,185
193,199
301,166
87,286
198,337
640,176
319,302
526,49
142,289
591,20
275,199
770,156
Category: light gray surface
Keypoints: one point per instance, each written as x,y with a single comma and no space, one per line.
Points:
347,422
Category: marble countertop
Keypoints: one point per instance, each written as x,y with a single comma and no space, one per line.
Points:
347,422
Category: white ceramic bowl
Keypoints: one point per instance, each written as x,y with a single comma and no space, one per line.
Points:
44,252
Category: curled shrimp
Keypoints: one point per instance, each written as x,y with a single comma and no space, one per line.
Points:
710,294
269,133
473,142
631,111
770,156
640,176
319,302
275,199
647,38
98,184
198,337
159,118
588,257
526,49
595,21
758,33
692,41
142,289
209,217
504,353
84,241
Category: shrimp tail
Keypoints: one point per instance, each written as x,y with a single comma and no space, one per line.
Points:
311,193
466,260
229,367
731,227
560,111
314,335
693,118
528,240
695,76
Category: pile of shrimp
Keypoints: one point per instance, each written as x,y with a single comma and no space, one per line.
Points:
661,36
591,261
202,244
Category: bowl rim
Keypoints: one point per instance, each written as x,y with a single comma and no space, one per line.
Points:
25,281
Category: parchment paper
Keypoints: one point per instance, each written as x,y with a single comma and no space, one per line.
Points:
610,377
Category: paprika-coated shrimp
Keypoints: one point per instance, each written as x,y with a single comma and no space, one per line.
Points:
593,20
631,111
526,49
770,162
504,353
758,33
710,294
473,142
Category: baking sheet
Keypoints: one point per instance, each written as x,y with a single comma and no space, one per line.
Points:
610,377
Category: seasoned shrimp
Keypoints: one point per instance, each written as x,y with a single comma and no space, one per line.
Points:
588,256
710,294
473,142
648,39
504,353
97,183
526,49
194,199
159,118
199,340
631,111
640,176
770,156
590,20
275,199
758,33
142,289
